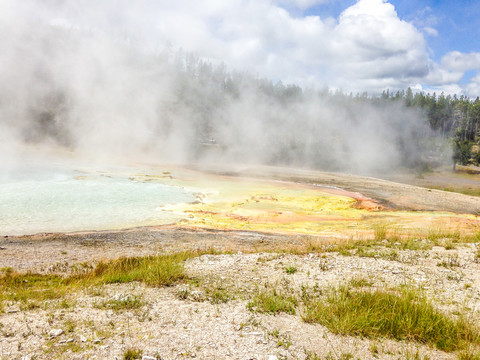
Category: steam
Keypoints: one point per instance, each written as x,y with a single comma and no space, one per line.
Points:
101,94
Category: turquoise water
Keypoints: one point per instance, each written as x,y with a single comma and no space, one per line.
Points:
62,201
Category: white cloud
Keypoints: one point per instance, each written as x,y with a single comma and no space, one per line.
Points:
458,61
367,48
439,75
302,4
448,89
473,88
430,31
372,43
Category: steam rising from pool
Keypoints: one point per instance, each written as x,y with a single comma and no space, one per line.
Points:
67,201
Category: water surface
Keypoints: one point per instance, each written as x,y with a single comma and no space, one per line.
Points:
58,200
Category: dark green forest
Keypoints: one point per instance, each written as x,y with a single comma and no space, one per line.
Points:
455,118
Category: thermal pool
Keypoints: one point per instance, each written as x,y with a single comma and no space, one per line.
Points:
87,199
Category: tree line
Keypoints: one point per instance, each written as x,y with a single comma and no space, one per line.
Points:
456,118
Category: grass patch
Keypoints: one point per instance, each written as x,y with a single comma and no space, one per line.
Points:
472,238
359,282
451,261
160,270
69,326
364,252
55,350
406,315
476,257
461,190
414,243
449,245
385,235
415,356
125,303
284,341
468,354
132,354
31,289
290,270
273,302
436,235
380,232
218,294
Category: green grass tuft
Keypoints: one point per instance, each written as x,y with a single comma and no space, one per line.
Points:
406,315
451,261
29,287
273,302
359,282
290,270
126,303
380,232
132,354
468,355
476,257
219,294
160,270
438,234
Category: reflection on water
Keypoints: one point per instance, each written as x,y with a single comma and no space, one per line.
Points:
33,201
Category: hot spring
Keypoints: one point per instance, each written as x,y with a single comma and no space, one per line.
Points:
61,197
55,199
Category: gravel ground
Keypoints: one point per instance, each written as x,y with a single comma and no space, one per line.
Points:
180,322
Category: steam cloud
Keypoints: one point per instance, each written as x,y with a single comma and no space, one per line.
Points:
98,92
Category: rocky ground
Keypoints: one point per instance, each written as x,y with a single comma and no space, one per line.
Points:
207,316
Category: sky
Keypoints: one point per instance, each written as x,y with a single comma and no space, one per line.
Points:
351,45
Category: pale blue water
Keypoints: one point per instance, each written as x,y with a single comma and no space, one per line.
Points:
49,200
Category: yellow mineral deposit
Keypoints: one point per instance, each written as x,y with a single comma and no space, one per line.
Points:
230,203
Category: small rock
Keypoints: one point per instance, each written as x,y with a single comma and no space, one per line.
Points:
83,338
197,295
103,347
55,332
122,297
69,341
97,341
145,357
